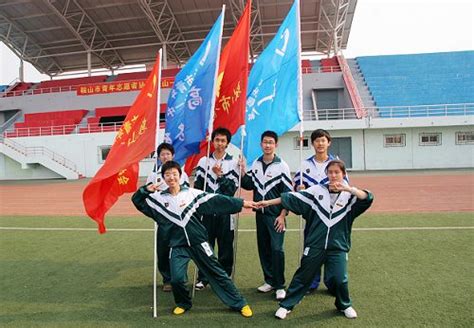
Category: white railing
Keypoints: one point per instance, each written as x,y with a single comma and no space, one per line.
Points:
422,110
39,91
327,69
39,150
62,130
309,114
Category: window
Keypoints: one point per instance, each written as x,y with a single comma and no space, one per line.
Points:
465,138
297,143
103,153
394,140
430,139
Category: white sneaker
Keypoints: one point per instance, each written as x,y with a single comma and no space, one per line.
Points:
265,288
350,313
281,313
280,294
199,285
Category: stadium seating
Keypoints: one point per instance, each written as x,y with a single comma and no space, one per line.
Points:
98,123
18,88
330,65
421,79
306,67
165,73
48,123
67,84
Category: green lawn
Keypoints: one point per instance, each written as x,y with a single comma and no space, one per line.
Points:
410,278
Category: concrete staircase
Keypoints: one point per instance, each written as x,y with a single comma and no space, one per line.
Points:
39,155
364,92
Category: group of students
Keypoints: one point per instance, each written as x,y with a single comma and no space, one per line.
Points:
192,220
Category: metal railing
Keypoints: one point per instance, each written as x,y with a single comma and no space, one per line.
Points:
38,91
309,114
327,69
38,150
422,110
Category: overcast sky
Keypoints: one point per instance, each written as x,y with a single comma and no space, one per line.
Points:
379,27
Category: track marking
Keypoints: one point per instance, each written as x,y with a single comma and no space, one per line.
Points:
240,230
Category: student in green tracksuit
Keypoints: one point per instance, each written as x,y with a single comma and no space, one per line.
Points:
179,209
165,153
220,173
329,212
268,177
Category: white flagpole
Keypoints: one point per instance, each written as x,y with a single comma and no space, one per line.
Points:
211,123
155,243
300,112
236,223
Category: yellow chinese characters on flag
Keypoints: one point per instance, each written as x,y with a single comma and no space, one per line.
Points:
134,141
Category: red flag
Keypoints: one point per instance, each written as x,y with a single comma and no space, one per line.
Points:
134,141
232,81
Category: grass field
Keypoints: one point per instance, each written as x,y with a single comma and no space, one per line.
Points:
398,278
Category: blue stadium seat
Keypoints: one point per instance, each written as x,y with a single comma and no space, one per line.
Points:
420,79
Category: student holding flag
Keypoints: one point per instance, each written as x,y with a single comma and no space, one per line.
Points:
179,209
165,153
269,177
222,174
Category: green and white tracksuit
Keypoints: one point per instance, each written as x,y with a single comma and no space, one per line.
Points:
219,227
162,248
329,218
269,182
312,173
180,215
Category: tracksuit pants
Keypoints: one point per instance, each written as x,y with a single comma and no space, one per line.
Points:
270,250
205,260
163,253
336,264
220,228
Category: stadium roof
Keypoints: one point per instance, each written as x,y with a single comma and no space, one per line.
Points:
56,36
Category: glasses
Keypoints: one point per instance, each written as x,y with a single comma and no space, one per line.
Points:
268,142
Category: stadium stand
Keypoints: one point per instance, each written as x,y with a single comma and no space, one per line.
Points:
330,65
48,123
18,88
3,88
68,84
420,79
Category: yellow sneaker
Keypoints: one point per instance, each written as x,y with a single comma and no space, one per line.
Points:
179,310
246,311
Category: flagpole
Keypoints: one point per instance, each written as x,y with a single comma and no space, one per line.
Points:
236,223
155,242
211,124
301,130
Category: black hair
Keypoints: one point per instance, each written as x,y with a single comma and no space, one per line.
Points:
338,163
164,146
170,165
270,134
320,133
223,132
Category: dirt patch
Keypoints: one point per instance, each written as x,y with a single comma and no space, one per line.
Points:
393,193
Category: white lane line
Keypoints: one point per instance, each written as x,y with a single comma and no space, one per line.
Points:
240,230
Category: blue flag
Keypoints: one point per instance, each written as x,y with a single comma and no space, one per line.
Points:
192,97
273,94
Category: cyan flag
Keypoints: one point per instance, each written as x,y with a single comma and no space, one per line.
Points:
273,87
192,97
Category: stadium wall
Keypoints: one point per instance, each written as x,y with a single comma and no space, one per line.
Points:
369,153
